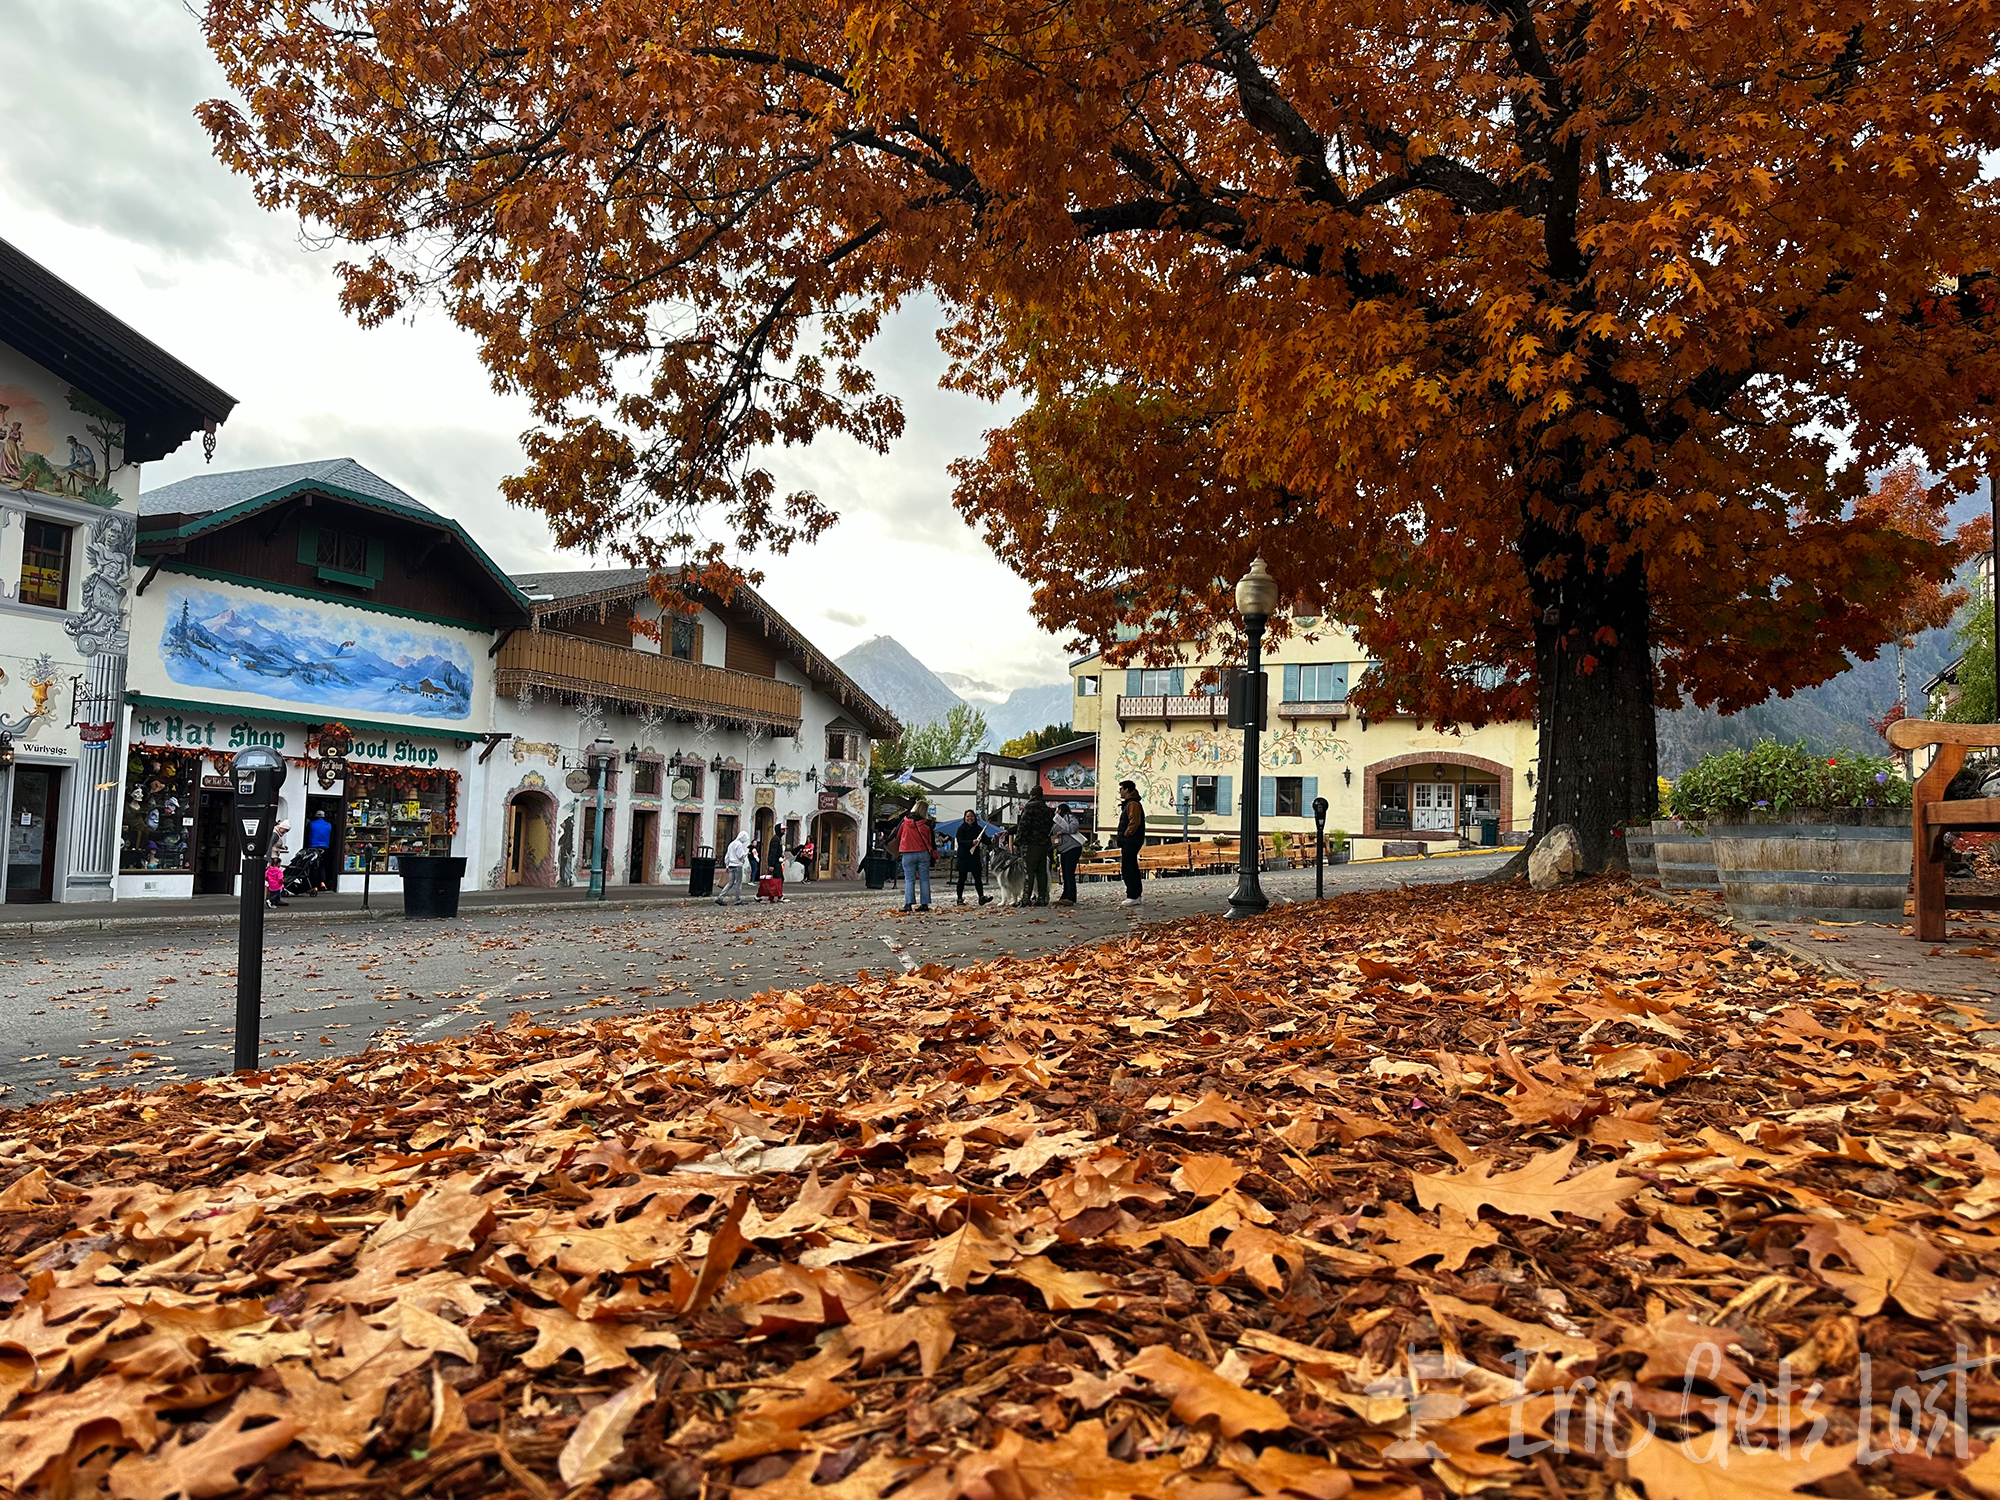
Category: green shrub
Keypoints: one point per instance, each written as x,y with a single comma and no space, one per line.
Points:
1777,778
1336,840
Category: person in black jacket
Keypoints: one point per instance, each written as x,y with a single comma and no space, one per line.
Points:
1131,839
1034,834
968,840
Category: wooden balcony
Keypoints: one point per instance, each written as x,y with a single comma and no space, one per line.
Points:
590,669
1211,706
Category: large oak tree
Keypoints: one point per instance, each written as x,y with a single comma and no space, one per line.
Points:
1549,341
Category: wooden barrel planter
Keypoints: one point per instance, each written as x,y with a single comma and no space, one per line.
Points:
1685,860
1838,865
1639,854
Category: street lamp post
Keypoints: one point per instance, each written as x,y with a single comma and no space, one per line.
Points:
1256,598
603,753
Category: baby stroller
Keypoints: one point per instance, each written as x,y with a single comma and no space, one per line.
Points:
302,875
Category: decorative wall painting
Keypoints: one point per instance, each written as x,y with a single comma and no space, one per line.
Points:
313,655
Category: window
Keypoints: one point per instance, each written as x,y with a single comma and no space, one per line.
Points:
1321,682
646,779
1152,683
1204,794
1086,687
729,787
1291,802
45,564
684,639
338,556
841,745
725,831
692,770
1482,798
1392,804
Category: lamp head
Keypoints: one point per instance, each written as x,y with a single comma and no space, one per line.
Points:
1256,592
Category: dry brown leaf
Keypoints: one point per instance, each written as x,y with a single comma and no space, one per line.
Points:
1200,1392
1075,1466
1408,1239
1679,1348
1535,1191
958,1259
603,1343
1206,1176
1212,1109
206,1467
1062,1291
1706,1469
1885,1265
599,1437
773,1424
1532,1336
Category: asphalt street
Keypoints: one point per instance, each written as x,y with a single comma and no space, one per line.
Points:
105,1008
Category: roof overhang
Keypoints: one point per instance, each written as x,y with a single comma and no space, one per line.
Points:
162,401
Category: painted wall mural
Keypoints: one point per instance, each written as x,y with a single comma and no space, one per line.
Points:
72,453
1072,776
314,656
1155,760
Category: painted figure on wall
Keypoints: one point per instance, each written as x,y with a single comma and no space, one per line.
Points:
1073,776
35,457
313,654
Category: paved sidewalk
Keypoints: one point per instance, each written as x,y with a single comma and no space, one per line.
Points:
1966,966
383,905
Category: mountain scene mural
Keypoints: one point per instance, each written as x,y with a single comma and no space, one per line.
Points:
312,656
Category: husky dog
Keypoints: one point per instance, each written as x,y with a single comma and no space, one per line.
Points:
1009,871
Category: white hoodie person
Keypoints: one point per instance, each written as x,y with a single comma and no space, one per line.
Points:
736,860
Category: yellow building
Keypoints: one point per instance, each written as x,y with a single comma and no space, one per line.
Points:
1384,780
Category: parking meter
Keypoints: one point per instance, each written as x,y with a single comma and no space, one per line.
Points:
1319,864
259,773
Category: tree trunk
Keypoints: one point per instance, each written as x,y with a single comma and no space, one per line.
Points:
1598,742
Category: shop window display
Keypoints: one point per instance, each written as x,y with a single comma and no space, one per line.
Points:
162,791
391,813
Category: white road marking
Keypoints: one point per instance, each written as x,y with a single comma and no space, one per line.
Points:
901,957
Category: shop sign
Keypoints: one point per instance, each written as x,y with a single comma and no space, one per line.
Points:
829,802
397,752
200,734
94,734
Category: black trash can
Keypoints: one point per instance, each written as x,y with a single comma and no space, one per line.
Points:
701,874
1489,833
875,869
430,884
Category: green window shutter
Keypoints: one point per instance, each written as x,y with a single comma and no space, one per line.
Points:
1176,682
309,544
1308,789
1291,682
1267,796
378,558
1224,802
1340,682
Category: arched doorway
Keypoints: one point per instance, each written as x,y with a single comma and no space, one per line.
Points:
834,846
1435,795
531,838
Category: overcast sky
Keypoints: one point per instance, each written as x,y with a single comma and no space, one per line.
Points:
108,181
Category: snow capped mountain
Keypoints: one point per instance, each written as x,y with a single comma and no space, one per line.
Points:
917,695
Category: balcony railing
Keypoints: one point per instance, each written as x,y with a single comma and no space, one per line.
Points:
1173,706
590,669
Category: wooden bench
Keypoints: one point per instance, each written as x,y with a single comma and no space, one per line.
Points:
1199,854
1931,817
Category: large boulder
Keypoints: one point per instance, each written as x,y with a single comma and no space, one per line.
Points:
1556,859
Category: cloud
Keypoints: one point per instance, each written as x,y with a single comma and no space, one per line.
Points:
110,183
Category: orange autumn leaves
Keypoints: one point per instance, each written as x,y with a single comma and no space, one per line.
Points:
975,1235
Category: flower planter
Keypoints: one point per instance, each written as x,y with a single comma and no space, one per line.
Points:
1338,857
1684,858
1639,854
1846,864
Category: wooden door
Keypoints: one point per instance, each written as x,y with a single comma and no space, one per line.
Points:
517,840
641,857
217,857
687,838
32,831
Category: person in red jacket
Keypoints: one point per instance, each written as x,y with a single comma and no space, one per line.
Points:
918,845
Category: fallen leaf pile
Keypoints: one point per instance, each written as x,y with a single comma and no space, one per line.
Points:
1411,1194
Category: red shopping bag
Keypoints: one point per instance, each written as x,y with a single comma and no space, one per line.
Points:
770,888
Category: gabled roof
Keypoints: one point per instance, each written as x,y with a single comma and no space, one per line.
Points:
205,494
1076,746
162,401
578,588
209,502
